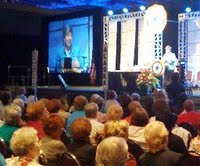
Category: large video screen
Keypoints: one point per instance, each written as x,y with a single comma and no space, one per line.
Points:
70,45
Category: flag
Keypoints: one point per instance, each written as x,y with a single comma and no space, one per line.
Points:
93,73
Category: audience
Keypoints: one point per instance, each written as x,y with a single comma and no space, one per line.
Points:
6,99
139,120
80,146
147,105
112,99
135,97
36,112
25,147
89,128
158,107
132,106
189,115
195,142
79,103
12,123
52,126
175,143
112,151
156,136
115,112
124,99
101,116
21,94
97,127
119,128
53,151
174,89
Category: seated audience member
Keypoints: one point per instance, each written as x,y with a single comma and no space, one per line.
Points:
190,116
158,107
175,143
20,103
135,97
53,151
63,112
112,151
195,142
101,117
21,94
161,95
112,99
147,105
25,147
31,96
35,113
79,103
97,127
53,105
139,120
94,97
193,155
12,123
114,112
124,99
6,100
132,106
81,147
156,136
175,88
178,108
52,126
2,160
119,128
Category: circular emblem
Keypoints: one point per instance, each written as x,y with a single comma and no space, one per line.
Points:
158,68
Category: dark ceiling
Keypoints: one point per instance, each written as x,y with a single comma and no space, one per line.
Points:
73,5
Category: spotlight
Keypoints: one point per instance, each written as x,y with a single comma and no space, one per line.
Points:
125,10
110,12
188,9
142,8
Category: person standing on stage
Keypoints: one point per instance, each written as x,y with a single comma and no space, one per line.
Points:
170,61
68,52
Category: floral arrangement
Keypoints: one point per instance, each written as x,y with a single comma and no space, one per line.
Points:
147,78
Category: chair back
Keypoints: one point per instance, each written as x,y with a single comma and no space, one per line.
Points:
68,159
42,159
135,149
191,158
189,127
3,147
65,138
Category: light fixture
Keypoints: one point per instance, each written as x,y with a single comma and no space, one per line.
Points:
125,10
142,7
156,18
110,12
188,9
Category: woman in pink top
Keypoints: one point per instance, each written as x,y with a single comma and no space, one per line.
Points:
35,112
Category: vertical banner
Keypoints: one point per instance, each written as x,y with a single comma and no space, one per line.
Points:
34,71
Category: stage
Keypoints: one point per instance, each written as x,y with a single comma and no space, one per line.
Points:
57,91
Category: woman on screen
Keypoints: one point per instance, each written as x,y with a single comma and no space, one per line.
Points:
68,52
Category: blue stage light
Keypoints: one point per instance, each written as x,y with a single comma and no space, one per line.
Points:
188,9
125,10
110,12
142,8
